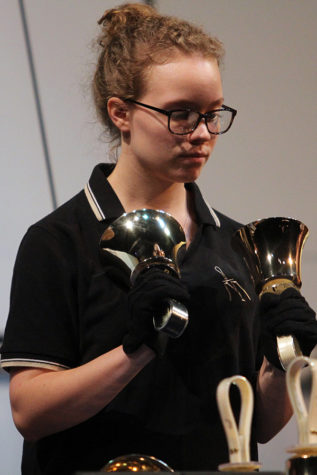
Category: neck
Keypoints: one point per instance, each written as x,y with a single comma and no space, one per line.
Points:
137,190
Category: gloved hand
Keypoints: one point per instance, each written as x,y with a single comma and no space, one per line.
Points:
145,299
287,314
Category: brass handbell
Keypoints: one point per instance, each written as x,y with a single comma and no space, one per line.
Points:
304,459
272,250
147,238
136,463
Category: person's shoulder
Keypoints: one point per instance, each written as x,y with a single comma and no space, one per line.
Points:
67,212
59,226
66,218
77,212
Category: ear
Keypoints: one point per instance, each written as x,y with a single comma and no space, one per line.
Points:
119,113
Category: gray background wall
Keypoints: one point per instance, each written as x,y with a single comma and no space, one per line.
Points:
264,167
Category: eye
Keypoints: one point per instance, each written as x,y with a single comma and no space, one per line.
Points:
213,116
180,115
183,121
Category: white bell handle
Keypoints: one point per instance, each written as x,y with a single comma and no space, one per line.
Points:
306,419
238,438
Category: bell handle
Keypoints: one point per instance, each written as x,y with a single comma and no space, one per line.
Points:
238,438
306,419
172,320
288,349
287,345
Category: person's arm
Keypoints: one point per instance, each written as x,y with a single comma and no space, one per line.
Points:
287,313
44,401
272,405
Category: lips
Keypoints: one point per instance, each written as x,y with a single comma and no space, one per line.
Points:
193,155
196,154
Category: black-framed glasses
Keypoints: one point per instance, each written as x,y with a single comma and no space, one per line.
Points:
185,121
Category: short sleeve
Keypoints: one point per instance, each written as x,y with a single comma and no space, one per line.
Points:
41,326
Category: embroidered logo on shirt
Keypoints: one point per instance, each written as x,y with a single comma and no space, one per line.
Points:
232,285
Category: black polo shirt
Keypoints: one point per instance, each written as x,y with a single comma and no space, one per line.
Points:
67,308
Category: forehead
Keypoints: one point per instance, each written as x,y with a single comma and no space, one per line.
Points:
184,78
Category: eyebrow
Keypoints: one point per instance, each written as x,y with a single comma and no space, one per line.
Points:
191,105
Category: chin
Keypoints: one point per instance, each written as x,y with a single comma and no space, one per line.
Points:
184,174
191,174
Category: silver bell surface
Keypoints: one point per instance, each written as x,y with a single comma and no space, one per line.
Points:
147,238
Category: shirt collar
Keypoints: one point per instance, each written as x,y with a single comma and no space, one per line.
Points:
106,205
100,195
205,213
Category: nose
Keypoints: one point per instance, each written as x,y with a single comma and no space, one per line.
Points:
201,132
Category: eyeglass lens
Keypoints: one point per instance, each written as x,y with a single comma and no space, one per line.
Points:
182,121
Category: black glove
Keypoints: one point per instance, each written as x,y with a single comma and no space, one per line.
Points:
146,298
287,314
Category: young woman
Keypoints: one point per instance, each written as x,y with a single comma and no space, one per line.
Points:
87,384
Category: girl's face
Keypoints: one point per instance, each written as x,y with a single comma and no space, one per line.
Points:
184,82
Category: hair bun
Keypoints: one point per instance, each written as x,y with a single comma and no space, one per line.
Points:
126,16
128,12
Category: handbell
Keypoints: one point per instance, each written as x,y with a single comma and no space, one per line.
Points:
304,459
136,463
147,238
272,249
238,437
